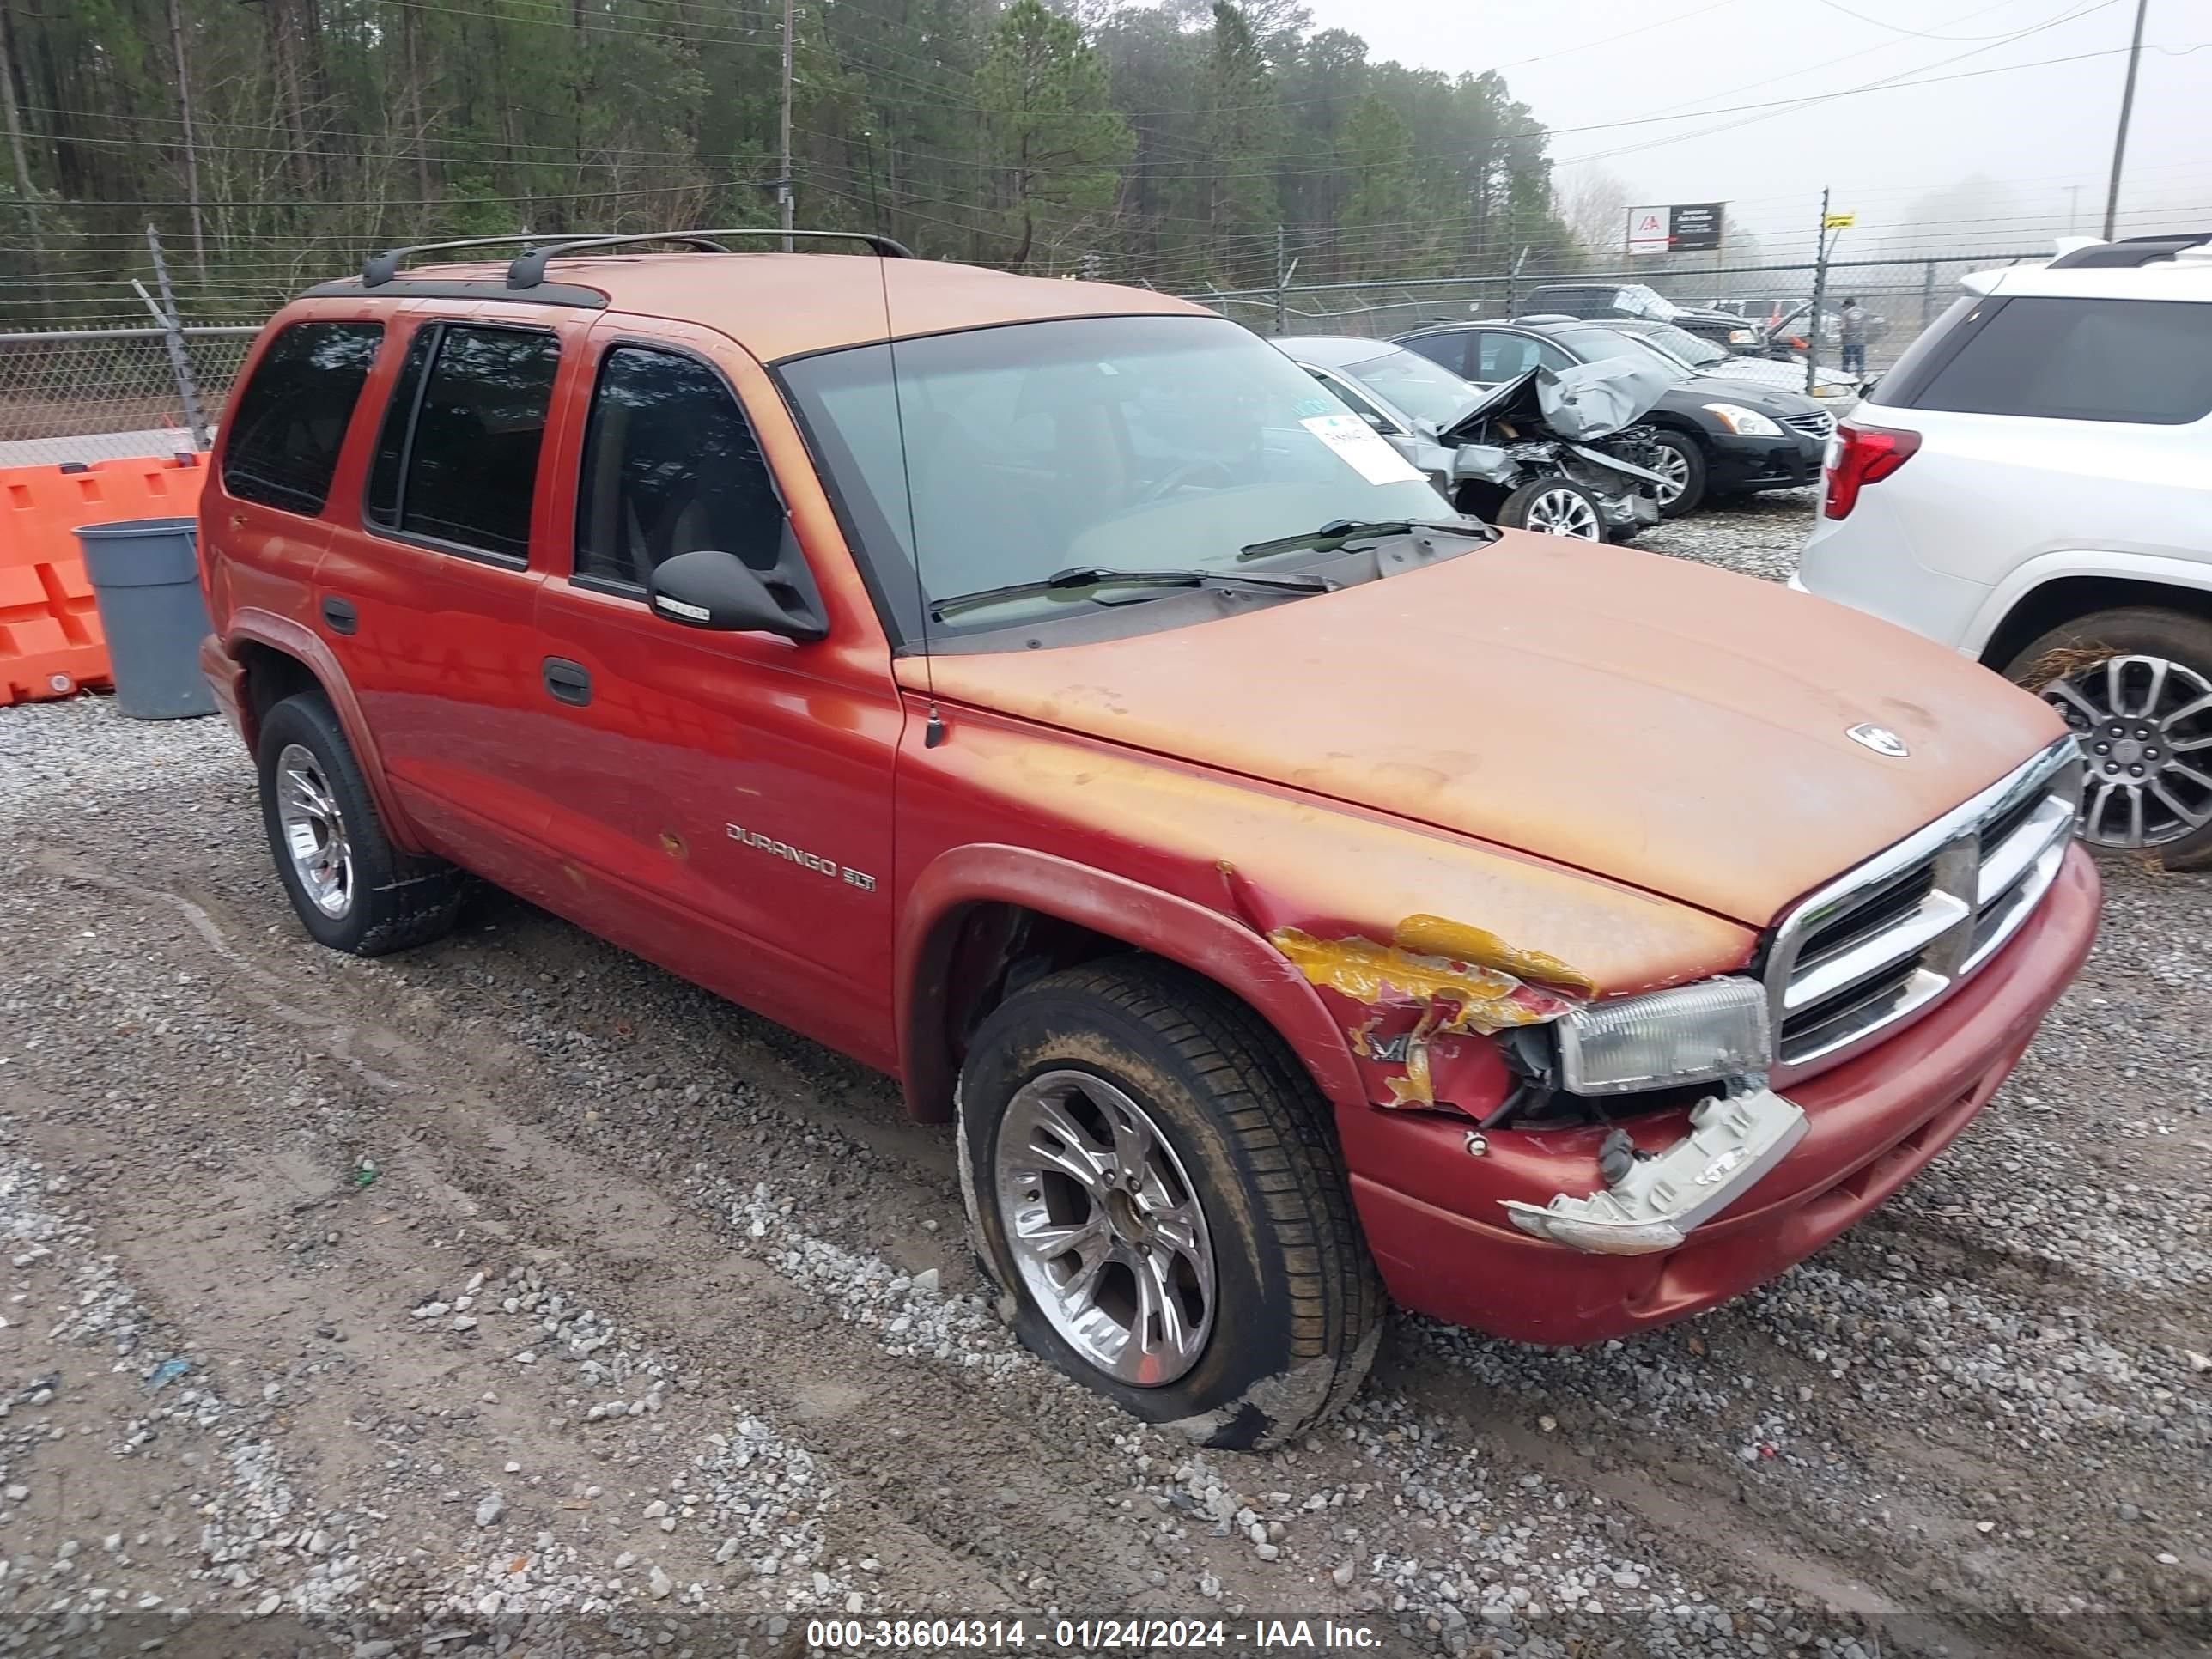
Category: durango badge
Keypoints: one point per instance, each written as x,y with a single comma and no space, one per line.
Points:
1880,738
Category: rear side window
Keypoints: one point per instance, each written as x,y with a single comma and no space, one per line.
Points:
671,466
1449,350
457,461
1502,356
2147,361
291,417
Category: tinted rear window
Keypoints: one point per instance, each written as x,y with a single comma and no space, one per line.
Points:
2142,360
291,419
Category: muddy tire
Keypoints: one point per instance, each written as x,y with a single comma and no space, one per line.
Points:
1555,507
1154,1186
2136,685
351,887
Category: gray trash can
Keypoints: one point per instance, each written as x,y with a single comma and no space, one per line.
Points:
145,575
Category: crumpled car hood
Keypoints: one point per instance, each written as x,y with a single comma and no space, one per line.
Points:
1669,726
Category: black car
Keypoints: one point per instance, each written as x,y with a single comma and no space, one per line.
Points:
1718,435
1601,301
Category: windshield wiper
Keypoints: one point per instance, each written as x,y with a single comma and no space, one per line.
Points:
1086,575
1335,534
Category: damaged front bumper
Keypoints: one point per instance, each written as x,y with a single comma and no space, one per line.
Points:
1733,1140
1432,1199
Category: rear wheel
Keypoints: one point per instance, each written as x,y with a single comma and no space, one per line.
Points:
1683,464
1555,507
1154,1183
2136,686
351,888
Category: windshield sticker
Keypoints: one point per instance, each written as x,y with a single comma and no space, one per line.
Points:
1361,449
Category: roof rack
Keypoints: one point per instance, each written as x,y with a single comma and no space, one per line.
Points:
528,270
2130,252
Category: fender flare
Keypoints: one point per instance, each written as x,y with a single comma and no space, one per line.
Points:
2021,583
1204,941
256,626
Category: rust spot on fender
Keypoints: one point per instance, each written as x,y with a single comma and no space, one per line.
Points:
1466,996
1436,936
1457,980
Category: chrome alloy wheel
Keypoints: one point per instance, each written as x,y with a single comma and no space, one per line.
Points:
2145,725
1672,465
1563,513
314,831
1105,1228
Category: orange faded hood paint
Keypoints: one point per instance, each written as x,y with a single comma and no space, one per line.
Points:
1667,725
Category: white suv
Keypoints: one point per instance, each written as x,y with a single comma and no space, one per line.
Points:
2032,484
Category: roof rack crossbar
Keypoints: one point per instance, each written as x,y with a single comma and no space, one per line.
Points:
529,270
381,267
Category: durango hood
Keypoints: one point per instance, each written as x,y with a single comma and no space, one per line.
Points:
1672,726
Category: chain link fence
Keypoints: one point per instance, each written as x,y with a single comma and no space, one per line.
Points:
90,394
1900,296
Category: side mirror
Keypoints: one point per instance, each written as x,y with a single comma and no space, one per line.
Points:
715,590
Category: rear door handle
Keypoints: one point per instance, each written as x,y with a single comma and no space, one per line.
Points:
341,616
569,681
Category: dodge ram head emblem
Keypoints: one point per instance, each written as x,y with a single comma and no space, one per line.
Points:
1880,738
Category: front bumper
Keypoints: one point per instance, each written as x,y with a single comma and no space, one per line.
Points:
1734,464
1435,1216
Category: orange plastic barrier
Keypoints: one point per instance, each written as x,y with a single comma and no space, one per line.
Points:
51,642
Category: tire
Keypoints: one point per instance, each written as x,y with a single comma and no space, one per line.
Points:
2158,664
370,898
1250,1176
1552,502
1683,454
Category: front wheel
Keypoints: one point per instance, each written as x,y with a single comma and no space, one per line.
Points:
1683,464
1153,1181
1555,507
2136,686
351,887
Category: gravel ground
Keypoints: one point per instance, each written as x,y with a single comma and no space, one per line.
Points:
510,1295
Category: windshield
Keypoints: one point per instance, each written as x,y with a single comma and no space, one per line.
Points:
1595,344
1680,343
1135,442
1427,391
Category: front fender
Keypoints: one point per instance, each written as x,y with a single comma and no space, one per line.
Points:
2022,581
253,625
1206,941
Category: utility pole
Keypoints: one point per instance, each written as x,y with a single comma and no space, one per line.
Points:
1820,299
1282,279
783,190
191,149
2127,108
2073,209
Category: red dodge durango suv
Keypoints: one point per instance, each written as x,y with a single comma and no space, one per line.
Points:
1047,693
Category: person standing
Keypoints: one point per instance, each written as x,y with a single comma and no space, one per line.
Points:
1854,337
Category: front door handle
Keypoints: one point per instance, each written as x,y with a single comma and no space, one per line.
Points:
341,616
569,681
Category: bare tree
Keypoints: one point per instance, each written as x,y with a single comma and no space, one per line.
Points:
1595,206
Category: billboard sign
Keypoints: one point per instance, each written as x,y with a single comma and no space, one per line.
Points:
1683,228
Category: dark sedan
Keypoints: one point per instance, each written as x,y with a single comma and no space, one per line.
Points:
1720,437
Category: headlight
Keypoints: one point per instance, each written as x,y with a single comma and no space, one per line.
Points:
1829,389
1744,423
1716,1028
1739,337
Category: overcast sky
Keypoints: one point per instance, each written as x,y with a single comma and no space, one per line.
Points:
1588,62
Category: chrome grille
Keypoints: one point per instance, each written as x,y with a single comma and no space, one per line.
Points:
1819,424
1885,942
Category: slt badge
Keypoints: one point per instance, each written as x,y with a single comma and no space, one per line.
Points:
1880,738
